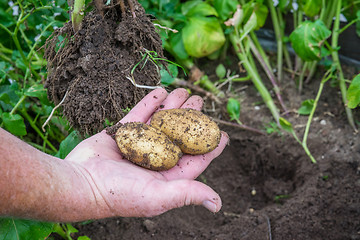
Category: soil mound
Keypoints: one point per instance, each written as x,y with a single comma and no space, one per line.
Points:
88,70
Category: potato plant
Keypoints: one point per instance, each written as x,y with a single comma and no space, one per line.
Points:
315,23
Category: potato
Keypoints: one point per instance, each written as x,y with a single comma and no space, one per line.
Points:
193,131
147,146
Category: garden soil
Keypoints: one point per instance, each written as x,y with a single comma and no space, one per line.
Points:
269,187
88,70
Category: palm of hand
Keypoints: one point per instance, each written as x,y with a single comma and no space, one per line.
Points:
125,189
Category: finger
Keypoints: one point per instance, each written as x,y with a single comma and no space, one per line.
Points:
191,166
179,193
146,107
194,102
175,99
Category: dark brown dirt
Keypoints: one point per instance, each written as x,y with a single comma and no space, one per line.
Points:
92,66
269,187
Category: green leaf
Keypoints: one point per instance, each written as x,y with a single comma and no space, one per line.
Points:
286,125
14,123
306,107
220,71
38,91
284,5
202,36
8,95
83,238
312,7
353,93
261,12
70,142
201,9
188,5
168,78
308,38
24,229
249,26
177,46
233,108
225,8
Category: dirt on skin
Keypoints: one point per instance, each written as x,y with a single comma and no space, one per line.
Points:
268,185
92,66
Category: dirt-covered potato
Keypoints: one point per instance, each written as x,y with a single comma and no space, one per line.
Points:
193,131
147,146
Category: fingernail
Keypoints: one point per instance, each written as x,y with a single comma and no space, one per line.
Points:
209,205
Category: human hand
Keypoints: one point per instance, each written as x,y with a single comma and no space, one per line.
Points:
122,188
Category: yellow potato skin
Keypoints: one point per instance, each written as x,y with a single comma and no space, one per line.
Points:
147,146
194,132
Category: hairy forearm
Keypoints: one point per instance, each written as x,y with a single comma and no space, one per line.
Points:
39,186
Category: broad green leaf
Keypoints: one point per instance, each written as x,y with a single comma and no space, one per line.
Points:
284,5
8,95
6,18
202,9
312,7
233,108
286,125
188,5
202,36
70,142
220,71
36,90
353,93
306,107
307,39
14,123
225,8
261,12
177,45
166,77
24,229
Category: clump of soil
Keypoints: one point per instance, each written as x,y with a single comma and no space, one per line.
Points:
91,66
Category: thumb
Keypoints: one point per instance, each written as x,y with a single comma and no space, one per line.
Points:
179,193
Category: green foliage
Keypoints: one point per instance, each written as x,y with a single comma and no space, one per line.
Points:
70,142
225,8
312,7
353,92
202,36
286,125
233,109
306,107
24,229
168,77
308,38
220,71
14,123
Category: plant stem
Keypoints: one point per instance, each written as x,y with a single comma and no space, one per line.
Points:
312,69
77,14
278,36
302,75
269,73
23,97
240,51
307,128
335,56
37,130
